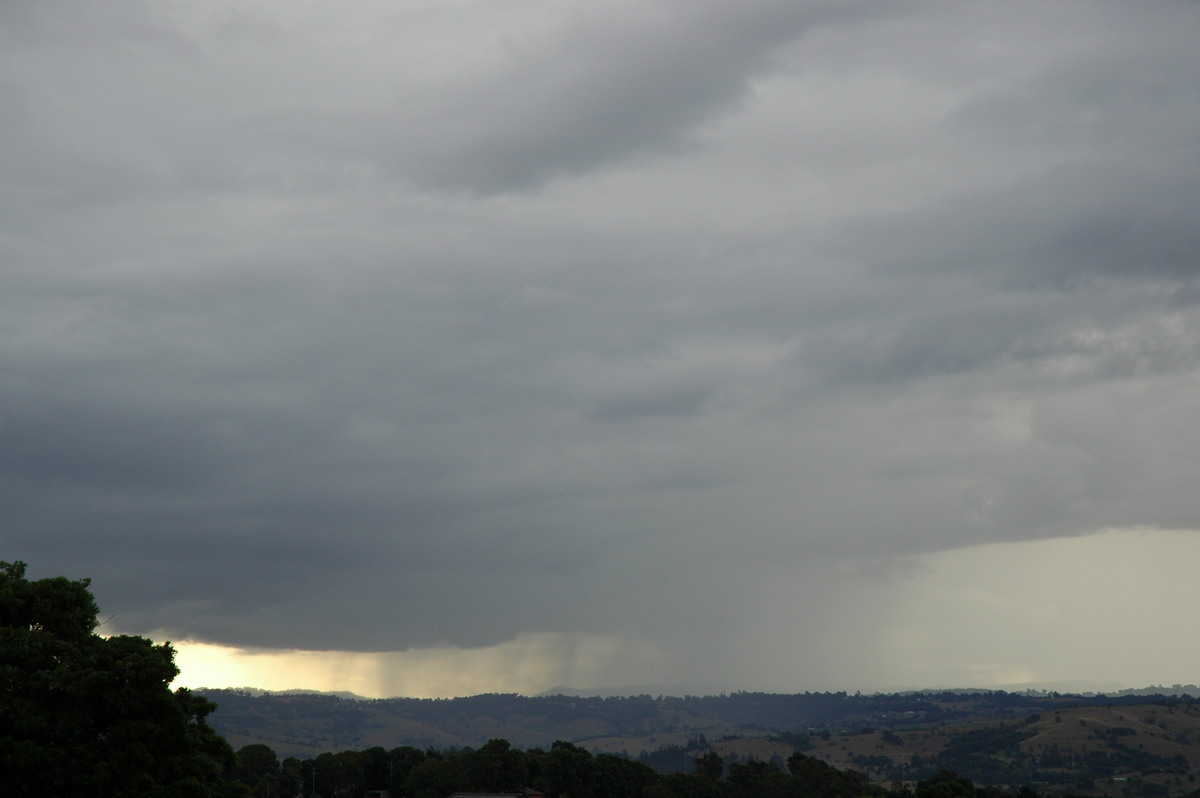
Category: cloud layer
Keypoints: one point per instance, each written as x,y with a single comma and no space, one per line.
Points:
430,324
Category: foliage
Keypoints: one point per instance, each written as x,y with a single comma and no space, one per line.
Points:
987,741
564,771
84,714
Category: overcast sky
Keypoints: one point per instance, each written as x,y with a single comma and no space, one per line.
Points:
447,346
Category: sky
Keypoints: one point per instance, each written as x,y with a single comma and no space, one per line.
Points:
438,348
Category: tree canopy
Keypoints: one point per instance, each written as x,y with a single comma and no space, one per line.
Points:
91,715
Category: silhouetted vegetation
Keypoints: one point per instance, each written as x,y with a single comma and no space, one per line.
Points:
86,715
563,771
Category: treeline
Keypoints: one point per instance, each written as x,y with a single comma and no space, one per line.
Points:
568,771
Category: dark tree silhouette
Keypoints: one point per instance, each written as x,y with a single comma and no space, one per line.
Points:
82,714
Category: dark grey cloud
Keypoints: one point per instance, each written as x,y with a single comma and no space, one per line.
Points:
1086,251
359,332
1073,225
599,86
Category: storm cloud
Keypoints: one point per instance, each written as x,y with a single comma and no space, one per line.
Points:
405,325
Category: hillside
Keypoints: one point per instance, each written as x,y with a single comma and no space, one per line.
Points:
320,722
1098,750
1095,744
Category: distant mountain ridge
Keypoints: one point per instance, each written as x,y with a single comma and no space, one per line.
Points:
1080,688
258,691
1076,687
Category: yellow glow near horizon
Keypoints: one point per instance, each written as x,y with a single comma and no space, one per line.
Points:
529,664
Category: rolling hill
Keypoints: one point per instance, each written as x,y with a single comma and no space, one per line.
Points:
1098,745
